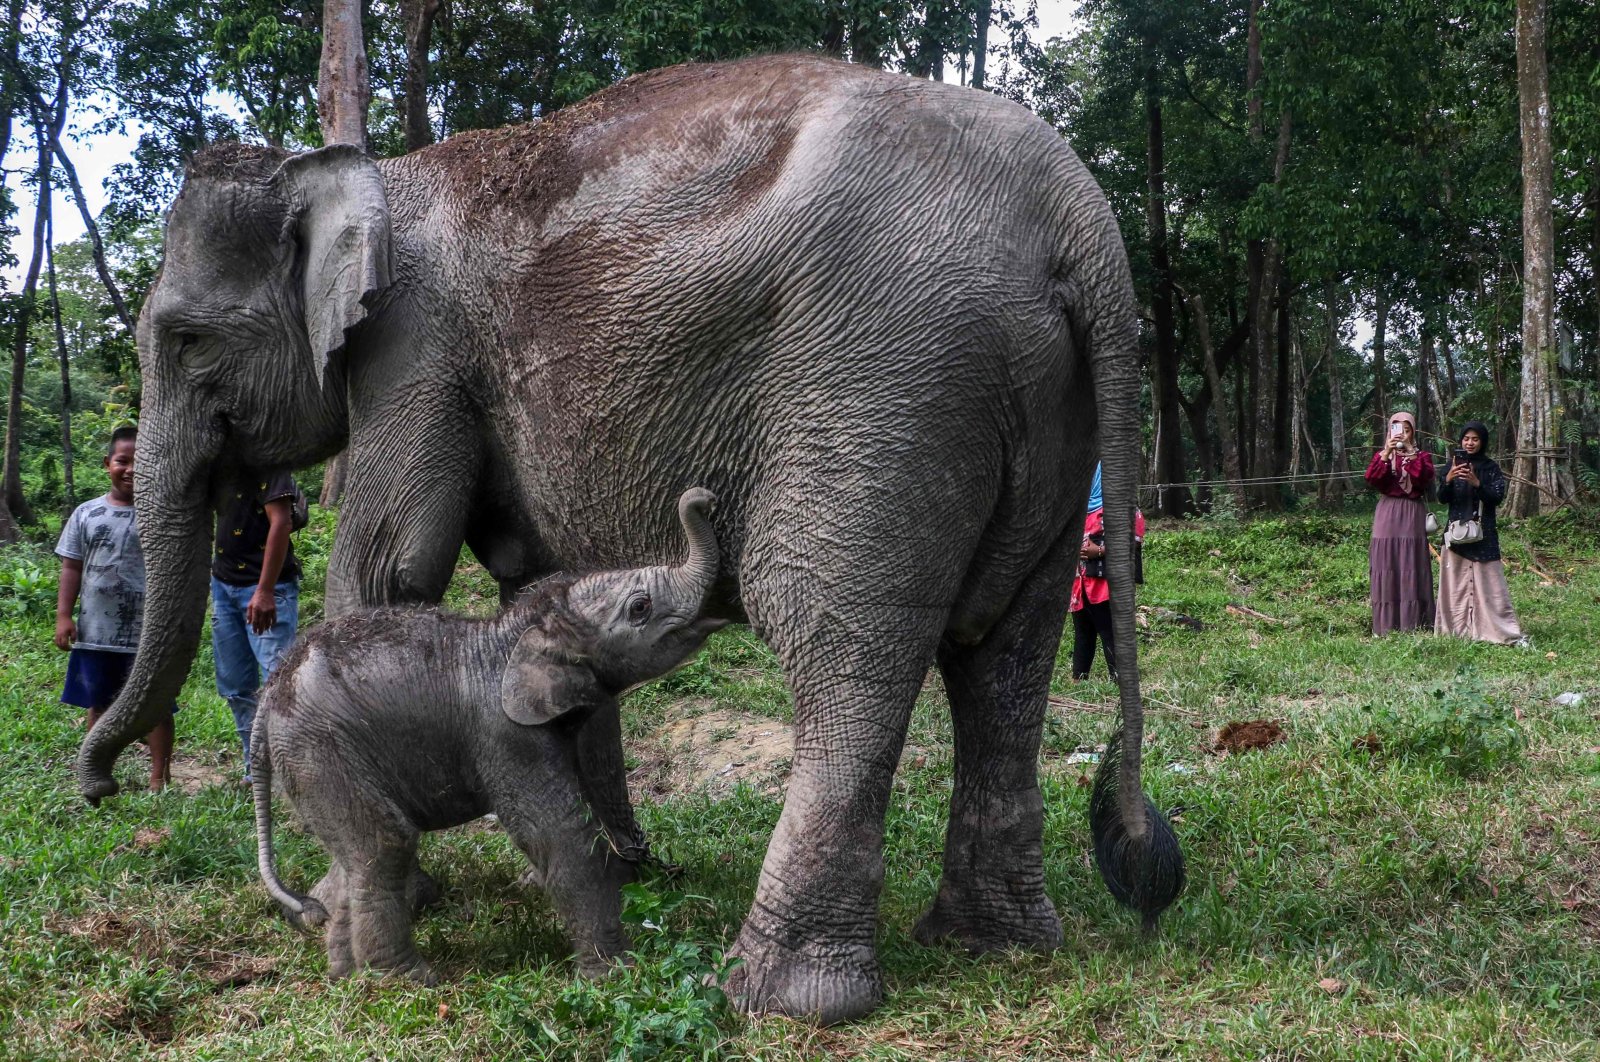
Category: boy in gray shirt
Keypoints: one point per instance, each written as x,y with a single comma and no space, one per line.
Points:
100,556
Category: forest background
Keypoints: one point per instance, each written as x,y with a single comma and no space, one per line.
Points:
1288,175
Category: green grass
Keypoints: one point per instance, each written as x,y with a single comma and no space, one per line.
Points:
1343,902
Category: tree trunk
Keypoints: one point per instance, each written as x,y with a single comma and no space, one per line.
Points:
1338,460
1265,349
1283,400
980,40
1594,261
11,478
1424,411
1225,436
417,17
1447,394
1380,339
1535,489
1169,465
343,90
68,490
95,244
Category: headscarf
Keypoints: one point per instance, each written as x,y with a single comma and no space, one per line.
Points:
1096,501
1481,430
1407,450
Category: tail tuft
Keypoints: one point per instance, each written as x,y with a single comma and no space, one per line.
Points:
1144,871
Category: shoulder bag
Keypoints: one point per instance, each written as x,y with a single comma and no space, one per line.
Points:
1466,532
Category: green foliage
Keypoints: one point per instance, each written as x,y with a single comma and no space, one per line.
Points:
666,1003
28,580
1458,726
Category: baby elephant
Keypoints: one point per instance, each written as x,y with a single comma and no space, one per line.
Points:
385,723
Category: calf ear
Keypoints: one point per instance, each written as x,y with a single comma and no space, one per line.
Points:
541,682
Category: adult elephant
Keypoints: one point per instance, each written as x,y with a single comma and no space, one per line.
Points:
889,322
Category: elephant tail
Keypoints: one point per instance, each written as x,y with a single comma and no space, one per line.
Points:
1135,845
303,912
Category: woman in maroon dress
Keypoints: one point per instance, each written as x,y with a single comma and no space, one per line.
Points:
1399,565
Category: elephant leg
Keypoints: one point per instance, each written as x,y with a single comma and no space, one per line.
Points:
335,899
578,872
405,512
992,891
380,910
807,945
604,777
852,594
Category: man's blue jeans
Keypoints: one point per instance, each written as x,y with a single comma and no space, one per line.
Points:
244,658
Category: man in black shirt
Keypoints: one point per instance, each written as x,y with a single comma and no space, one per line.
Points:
255,592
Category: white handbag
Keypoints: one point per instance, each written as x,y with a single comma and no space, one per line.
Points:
1466,532
1431,524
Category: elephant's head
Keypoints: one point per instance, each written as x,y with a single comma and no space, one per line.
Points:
269,259
590,637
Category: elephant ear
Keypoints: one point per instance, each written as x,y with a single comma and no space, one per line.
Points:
340,219
542,683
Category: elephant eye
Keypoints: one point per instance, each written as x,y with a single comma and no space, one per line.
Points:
638,608
194,354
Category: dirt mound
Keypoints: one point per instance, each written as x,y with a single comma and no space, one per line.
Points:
714,749
191,776
1236,737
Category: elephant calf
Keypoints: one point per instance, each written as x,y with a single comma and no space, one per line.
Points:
389,722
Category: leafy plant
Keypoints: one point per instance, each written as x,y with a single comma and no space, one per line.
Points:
668,1003
27,589
1459,726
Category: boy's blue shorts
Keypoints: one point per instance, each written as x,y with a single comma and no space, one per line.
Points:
95,677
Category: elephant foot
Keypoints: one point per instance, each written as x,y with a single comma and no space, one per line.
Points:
827,988
990,923
418,970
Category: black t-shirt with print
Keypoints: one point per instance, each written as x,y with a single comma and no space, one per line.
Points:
242,527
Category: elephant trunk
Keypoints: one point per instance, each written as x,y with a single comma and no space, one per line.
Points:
1135,846
173,514
692,580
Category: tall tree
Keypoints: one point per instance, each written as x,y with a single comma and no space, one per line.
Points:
418,17
68,489
1534,487
343,90
1174,499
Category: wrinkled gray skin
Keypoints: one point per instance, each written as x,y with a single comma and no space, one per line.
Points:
889,321
386,723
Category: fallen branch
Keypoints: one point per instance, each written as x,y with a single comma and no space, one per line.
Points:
1245,610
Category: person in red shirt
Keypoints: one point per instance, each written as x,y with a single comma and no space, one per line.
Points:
1090,605
1398,564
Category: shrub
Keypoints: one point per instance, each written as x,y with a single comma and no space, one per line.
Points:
1458,726
27,586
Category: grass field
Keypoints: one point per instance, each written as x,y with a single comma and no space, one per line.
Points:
1413,873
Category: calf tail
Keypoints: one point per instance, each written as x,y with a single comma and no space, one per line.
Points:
303,912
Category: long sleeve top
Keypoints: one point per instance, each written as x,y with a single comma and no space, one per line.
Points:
1381,476
1088,590
1463,499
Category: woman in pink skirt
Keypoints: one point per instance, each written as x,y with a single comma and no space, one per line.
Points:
1474,601
1399,565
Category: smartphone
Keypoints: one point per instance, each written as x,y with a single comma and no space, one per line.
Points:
1460,457
1396,430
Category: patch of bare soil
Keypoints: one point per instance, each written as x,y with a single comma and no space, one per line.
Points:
191,775
1237,737
715,750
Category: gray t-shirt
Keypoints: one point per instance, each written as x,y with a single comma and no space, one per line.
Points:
111,601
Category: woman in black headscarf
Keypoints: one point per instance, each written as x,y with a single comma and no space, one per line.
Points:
1474,601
